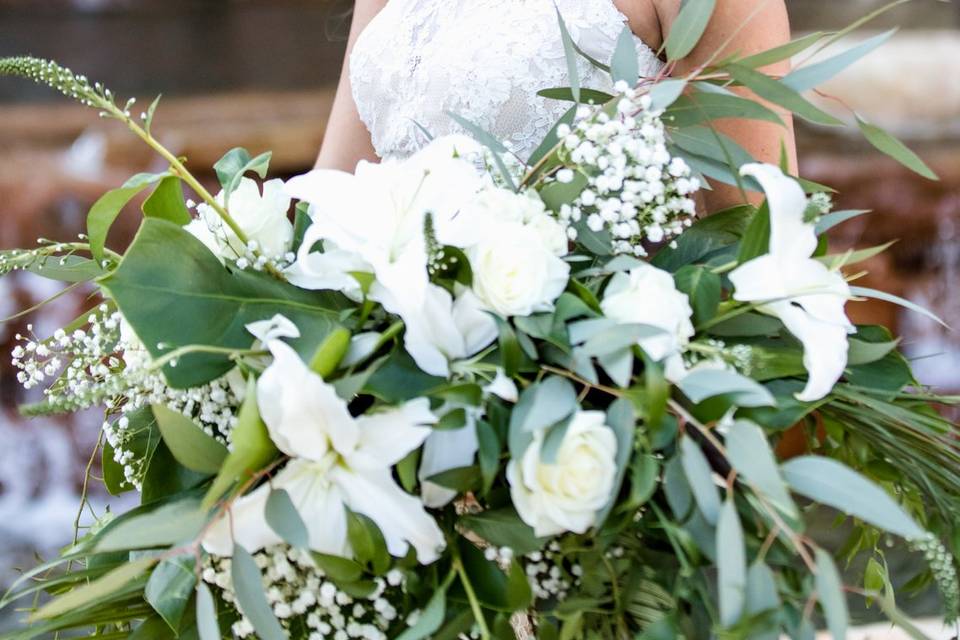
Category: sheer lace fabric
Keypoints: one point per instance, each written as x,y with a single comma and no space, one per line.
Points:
482,59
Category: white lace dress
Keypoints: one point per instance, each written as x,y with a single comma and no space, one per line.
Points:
485,60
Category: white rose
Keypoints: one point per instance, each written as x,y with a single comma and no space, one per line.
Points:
647,295
567,494
261,216
552,234
514,274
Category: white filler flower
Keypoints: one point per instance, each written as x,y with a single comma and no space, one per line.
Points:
337,461
261,216
647,295
566,495
808,297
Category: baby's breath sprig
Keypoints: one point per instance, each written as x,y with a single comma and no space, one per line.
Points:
95,95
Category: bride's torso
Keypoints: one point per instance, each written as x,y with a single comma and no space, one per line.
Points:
484,60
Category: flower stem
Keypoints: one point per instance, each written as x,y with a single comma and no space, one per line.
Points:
472,597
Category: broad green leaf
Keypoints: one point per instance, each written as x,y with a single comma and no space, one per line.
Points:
104,212
895,149
861,352
731,565
836,485
235,164
665,93
865,292
510,353
207,625
175,293
367,542
783,52
778,93
248,588
813,75
707,236
702,287
833,601
165,525
701,384
285,520
699,477
688,27
830,220
756,239
91,593
339,569
187,442
488,454
504,528
750,454
570,53
169,588
695,108
331,351
166,202
625,65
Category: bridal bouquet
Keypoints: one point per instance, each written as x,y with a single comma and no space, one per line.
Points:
466,395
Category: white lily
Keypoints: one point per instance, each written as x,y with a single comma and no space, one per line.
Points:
378,214
338,462
803,293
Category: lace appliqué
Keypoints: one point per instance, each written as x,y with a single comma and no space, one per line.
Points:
485,60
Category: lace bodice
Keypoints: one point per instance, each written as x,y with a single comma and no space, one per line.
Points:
482,59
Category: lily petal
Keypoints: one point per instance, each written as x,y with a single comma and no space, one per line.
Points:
824,349
445,450
388,436
790,235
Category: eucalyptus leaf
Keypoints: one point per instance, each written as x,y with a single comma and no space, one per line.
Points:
699,477
813,75
285,520
830,220
688,27
903,302
165,525
207,626
698,107
779,93
782,52
731,565
92,592
665,93
836,485
625,65
751,455
895,149
833,601
622,419
248,588
701,384
761,596
570,54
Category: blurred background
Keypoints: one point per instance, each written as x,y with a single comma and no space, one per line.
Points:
260,74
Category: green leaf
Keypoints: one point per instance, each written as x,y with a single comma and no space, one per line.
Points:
459,479
91,593
165,525
731,565
504,528
166,202
864,292
702,287
761,596
165,477
840,260
756,239
366,540
104,212
892,147
207,626
540,406
702,384
625,65
665,93
430,618
783,52
813,75
175,293
285,520
488,455
339,569
551,139
688,27
623,421
192,448
169,588
750,454
507,592
699,477
234,164
490,141
644,474
698,107
830,220
248,588
566,94
570,53
252,448
778,93
836,485
861,352
331,351
832,599
707,236
65,268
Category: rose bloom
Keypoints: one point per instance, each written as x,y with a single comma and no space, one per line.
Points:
567,494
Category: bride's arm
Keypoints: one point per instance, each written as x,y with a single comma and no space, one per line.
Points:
346,140
743,27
